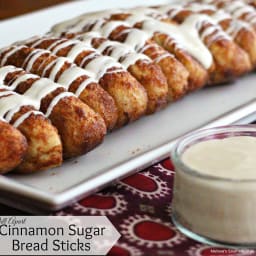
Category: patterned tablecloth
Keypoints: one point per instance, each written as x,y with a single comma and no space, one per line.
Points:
140,208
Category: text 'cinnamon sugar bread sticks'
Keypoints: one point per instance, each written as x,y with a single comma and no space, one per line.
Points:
111,74
80,128
13,147
129,95
44,146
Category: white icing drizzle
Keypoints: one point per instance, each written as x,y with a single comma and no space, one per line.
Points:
236,26
70,75
251,18
83,85
56,67
4,71
109,26
100,65
8,54
198,7
11,103
40,89
90,56
33,96
32,57
237,9
87,37
55,101
52,45
220,15
137,38
22,118
62,44
171,10
185,36
21,79
115,50
77,49
161,57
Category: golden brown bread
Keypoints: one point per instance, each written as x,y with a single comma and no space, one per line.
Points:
46,64
175,73
13,147
140,67
44,145
242,33
129,95
80,128
230,61
173,66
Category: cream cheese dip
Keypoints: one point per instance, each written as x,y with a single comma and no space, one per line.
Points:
232,157
215,185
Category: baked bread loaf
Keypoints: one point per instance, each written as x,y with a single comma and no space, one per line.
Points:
13,147
44,145
150,44
150,70
129,95
64,72
63,91
242,33
89,58
80,128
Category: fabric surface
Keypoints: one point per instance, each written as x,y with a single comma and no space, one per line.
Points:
140,209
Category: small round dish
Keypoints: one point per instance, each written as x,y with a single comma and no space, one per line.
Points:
210,209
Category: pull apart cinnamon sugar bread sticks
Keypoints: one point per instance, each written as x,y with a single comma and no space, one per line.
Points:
251,2
141,41
177,30
129,95
64,72
80,128
44,149
13,147
150,72
229,61
238,9
125,88
61,92
241,32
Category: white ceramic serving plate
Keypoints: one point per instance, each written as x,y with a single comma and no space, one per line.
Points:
129,149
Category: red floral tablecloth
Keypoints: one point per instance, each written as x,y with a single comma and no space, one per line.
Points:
140,208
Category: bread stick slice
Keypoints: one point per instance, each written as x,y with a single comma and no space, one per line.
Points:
129,95
148,73
229,60
62,71
241,32
80,128
143,42
13,147
44,145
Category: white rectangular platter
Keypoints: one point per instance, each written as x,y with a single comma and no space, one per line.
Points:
129,149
